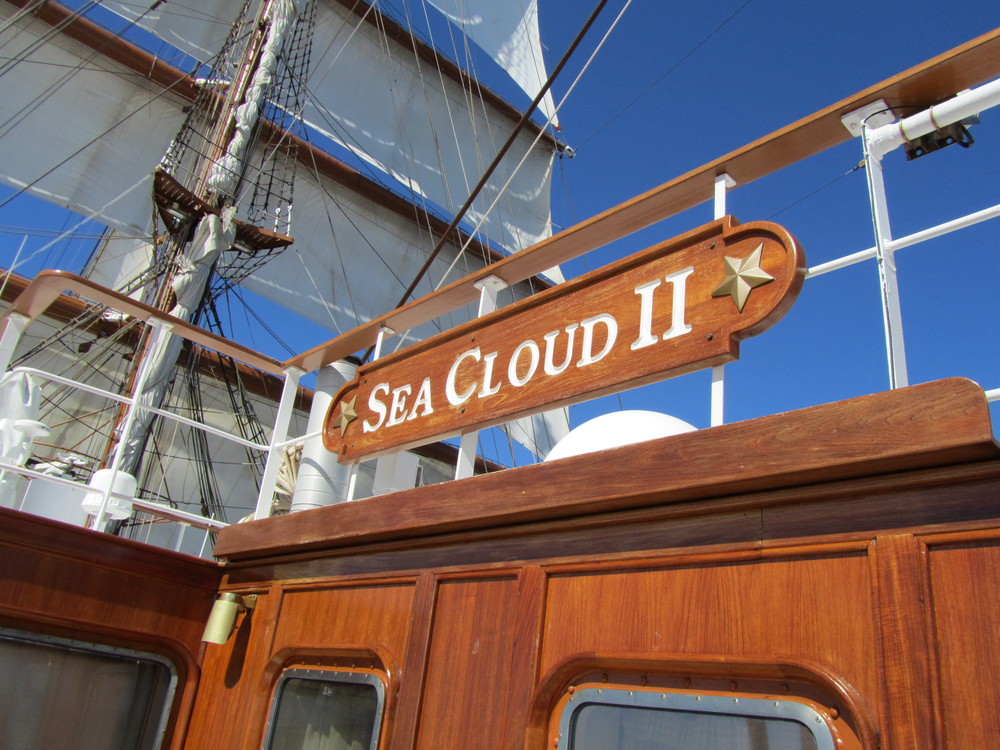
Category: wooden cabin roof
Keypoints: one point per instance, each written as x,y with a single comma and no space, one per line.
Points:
733,479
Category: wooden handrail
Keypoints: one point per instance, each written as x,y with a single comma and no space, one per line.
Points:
47,286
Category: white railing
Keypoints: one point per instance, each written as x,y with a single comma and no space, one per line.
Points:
36,300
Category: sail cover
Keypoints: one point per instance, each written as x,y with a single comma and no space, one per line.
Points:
373,95
507,30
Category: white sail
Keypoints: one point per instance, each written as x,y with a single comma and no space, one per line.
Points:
376,97
425,129
507,31
198,28
351,259
88,142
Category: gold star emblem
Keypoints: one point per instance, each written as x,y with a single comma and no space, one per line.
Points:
742,276
347,414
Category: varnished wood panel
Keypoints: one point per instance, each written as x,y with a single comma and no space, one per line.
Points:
61,580
319,623
536,542
815,609
928,425
477,685
966,613
88,581
231,706
345,616
949,497
907,653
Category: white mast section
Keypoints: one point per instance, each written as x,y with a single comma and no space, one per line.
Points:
717,409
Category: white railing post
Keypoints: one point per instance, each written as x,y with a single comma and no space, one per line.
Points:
383,333
13,326
465,464
352,474
717,412
280,432
886,259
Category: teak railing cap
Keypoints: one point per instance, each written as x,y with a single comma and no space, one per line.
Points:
931,425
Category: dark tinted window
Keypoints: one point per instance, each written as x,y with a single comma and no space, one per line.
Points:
320,710
56,693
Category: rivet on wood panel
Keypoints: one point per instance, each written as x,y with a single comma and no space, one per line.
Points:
604,677
687,682
644,680
732,684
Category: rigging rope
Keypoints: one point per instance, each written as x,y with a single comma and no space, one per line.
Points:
18,117
500,154
566,96
666,73
555,111
45,38
70,232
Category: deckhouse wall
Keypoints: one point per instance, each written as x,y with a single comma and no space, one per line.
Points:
869,591
798,557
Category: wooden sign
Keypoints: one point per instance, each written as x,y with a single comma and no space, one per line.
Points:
674,308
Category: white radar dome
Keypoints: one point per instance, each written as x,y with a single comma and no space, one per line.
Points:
616,429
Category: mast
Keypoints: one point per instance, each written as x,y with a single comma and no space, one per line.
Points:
340,208
199,208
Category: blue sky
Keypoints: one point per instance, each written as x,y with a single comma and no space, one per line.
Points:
679,84
771,63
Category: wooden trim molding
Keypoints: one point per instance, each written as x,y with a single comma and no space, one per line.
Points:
934,424
403,730
907,646
714,672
